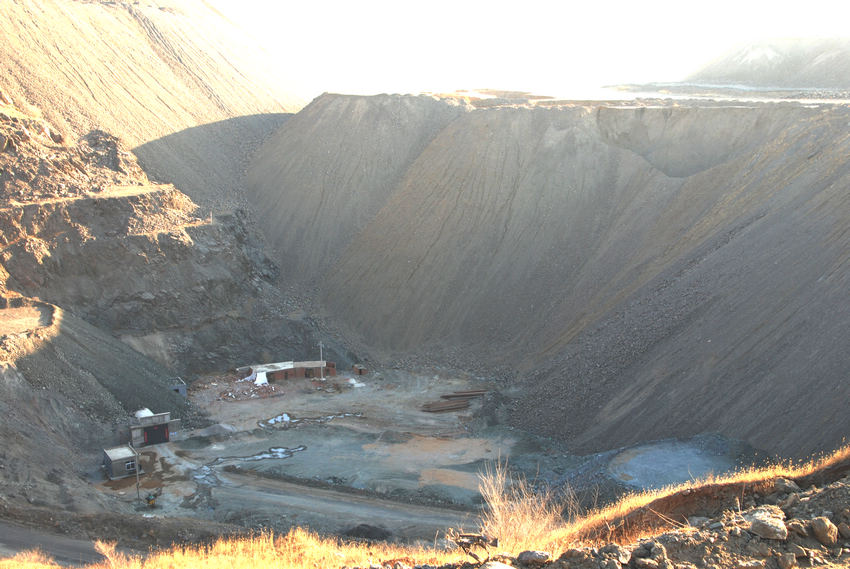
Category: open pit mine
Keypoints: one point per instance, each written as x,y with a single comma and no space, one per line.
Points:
223,308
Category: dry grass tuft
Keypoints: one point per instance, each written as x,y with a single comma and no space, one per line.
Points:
520,517
34,559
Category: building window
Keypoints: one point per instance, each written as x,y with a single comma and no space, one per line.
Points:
130,466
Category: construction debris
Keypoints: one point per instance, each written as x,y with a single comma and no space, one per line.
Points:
454,401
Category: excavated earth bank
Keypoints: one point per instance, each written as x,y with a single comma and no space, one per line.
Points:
646,271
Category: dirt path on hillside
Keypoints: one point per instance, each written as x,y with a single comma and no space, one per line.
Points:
65,551
334,510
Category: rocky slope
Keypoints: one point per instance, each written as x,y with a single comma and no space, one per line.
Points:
83,228
144,71
92,253
651,271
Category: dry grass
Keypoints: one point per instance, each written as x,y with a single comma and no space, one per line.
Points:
28,560
516,514
593,525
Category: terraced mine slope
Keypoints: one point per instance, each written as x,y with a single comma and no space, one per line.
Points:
92,254
649,271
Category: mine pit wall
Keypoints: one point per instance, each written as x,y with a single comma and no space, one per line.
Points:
194,295
67,390
649,272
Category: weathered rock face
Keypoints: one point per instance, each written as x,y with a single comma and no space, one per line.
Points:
652,272
84,229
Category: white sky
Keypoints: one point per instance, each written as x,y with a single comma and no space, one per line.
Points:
555,48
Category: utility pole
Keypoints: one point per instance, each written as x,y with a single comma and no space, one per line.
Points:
321,362
136,453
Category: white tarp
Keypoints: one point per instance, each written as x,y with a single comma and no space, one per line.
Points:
261,379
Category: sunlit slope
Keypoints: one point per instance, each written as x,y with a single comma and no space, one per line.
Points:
143,70
650,271
741,328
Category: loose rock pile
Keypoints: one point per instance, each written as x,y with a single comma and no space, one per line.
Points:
804,528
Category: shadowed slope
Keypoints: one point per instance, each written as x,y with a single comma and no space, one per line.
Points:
325,174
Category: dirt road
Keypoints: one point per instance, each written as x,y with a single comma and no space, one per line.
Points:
65,551
337,510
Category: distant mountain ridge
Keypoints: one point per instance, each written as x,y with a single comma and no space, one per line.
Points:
791,63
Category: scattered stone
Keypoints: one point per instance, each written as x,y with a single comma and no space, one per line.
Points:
645,563
798,550
57,137
495,565
825,531
366,531
844,530
750,564
5,99
534,558
787,561
618,553
697,521
790,502
785,485
576,553
797,527
767,522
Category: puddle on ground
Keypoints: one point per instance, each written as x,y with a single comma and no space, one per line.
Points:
287,421
272,453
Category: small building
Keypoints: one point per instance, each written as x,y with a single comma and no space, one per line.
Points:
120,462
290,370
148,428
359,369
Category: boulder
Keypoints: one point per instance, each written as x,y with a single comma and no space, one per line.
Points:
797,527
616,552
825,531
844,530
366,531
534,558
767,522
787,561
495,565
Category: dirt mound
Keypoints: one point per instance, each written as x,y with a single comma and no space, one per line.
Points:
653,272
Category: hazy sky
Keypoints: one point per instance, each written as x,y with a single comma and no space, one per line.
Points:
557,48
